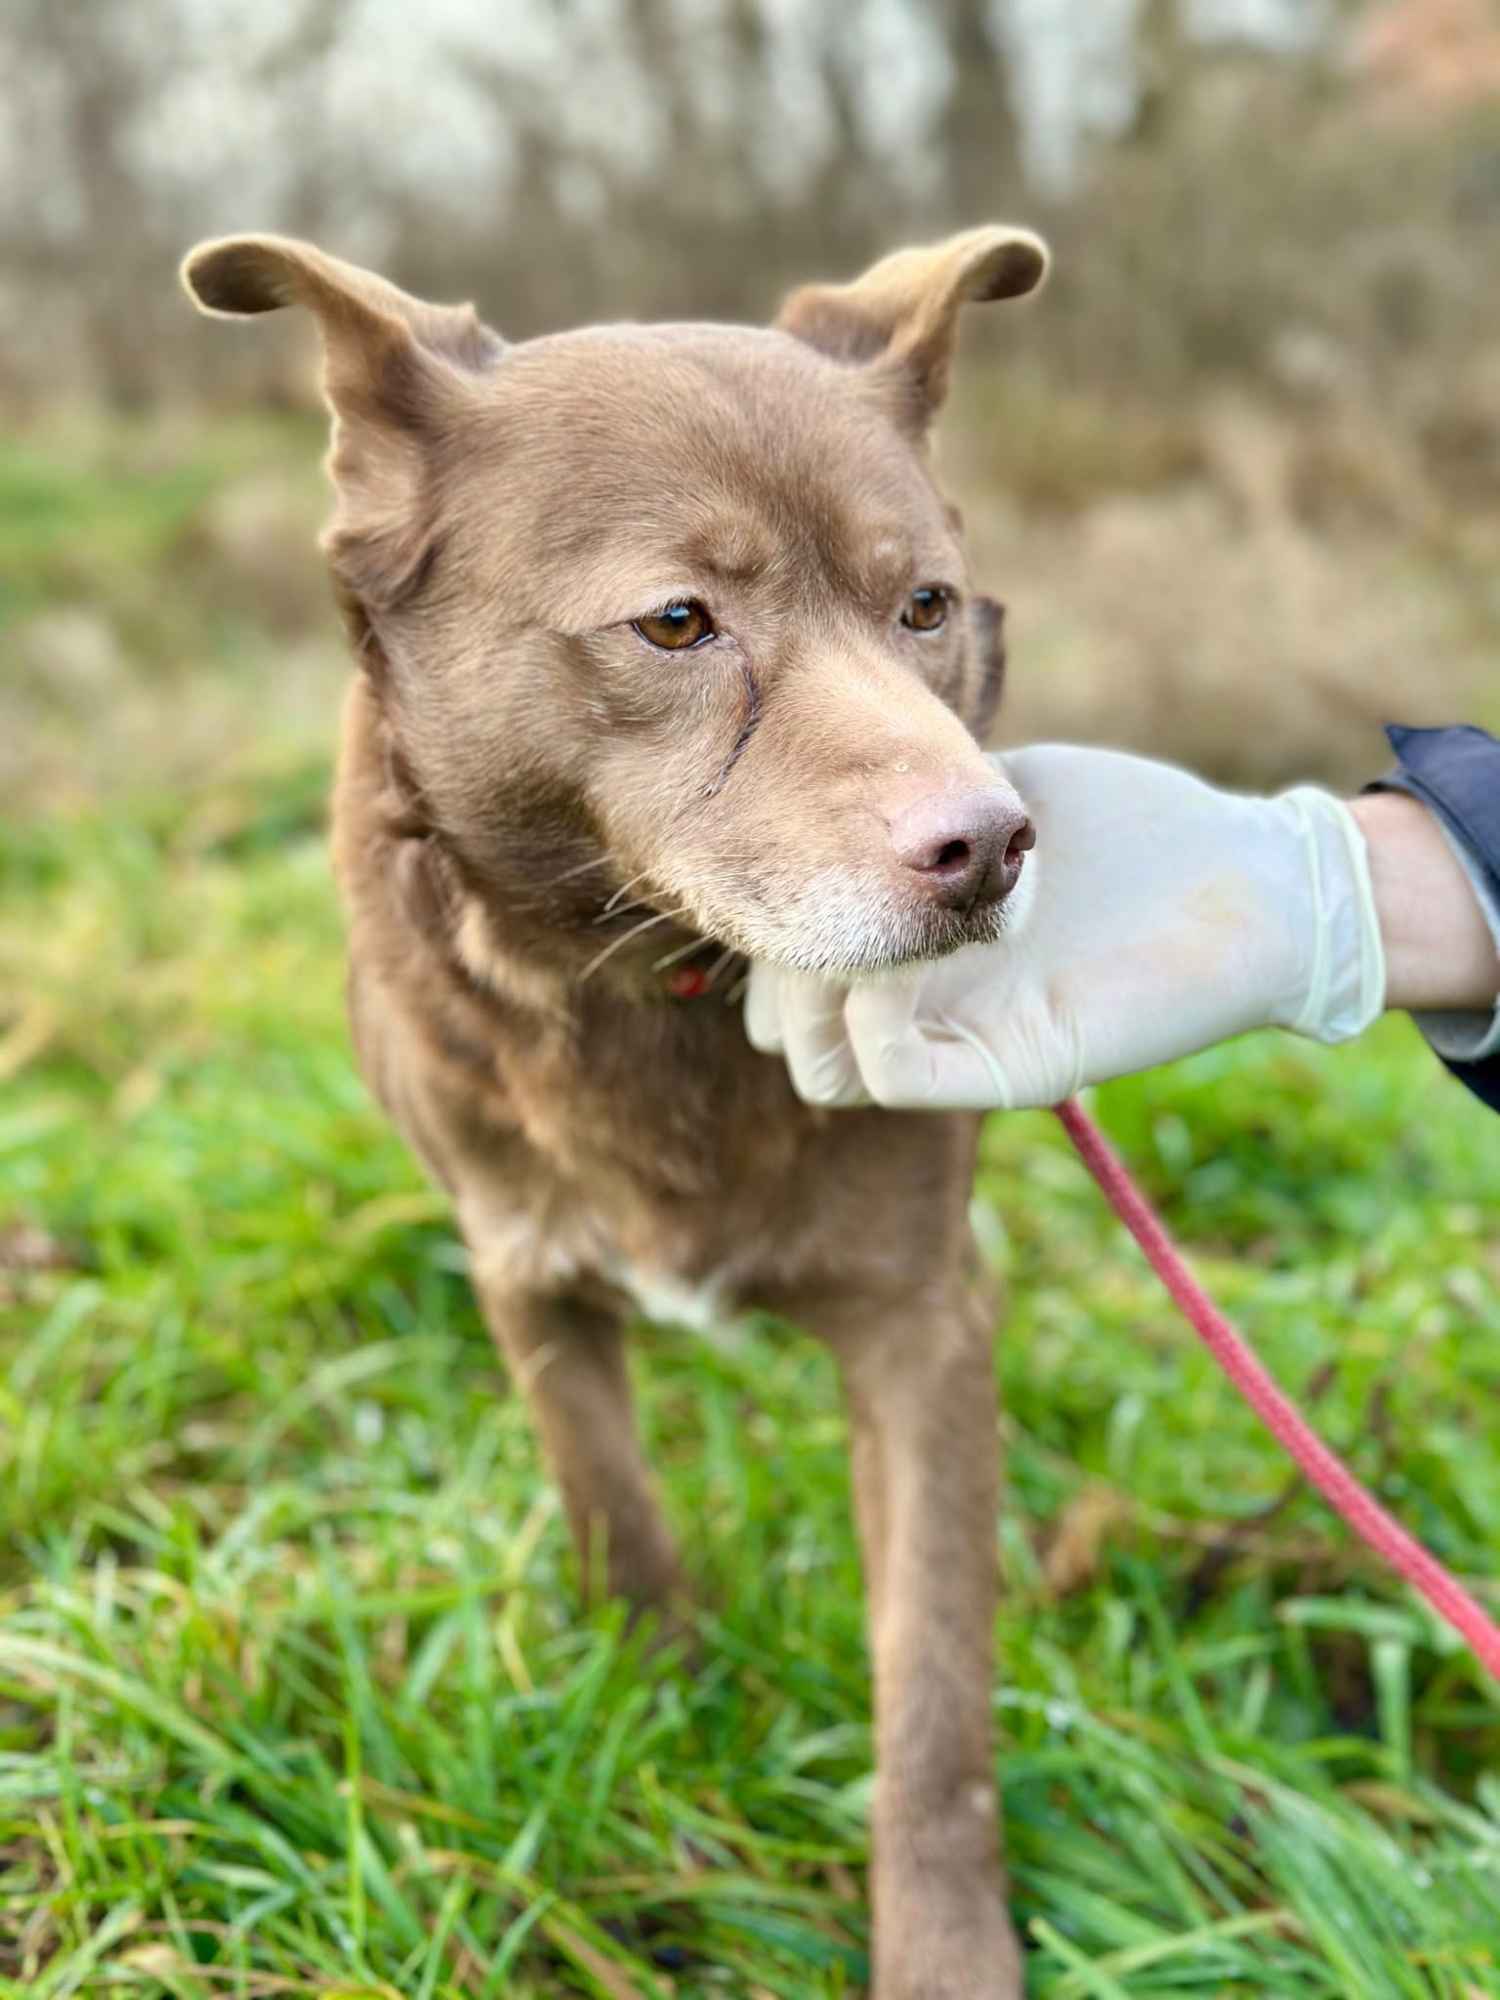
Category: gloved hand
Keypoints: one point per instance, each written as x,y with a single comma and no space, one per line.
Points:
1155,917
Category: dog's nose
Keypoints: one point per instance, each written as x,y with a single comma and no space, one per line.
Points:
965,846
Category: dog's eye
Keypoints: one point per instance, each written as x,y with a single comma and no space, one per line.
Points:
677,626
926,609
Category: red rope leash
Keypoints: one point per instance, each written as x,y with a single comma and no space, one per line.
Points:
1327,1472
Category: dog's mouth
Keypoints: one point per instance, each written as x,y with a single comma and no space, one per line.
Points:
917,881
690,929
858,948
844,931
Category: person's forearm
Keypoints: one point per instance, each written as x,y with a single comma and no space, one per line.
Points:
1439,953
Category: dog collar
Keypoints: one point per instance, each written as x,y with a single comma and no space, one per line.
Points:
723,975
687,982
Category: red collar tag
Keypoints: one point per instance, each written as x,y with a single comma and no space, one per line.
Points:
687,982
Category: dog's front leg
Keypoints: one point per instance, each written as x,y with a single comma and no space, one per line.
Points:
920,1384
568,1358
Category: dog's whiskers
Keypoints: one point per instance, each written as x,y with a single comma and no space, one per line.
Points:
636,930
726,957
623,890
571,874
682,951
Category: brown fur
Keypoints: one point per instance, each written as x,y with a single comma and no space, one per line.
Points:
535,808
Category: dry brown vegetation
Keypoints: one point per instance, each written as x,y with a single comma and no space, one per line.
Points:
1237,472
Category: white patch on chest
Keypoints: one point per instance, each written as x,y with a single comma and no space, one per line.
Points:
515,1250
677,1302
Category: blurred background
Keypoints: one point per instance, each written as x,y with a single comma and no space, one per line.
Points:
1236,472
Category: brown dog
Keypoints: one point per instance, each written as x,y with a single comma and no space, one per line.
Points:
666,656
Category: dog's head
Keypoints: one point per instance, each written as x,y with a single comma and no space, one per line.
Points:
679,604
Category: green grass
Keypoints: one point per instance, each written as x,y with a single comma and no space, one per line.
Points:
104,512
295,1696
160,602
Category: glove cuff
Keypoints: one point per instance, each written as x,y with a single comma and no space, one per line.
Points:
1347,977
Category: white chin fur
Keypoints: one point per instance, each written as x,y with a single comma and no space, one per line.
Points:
832,927
852,947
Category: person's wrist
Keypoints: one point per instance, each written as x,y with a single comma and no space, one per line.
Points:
1439,952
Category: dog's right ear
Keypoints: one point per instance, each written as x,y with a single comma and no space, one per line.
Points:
899,322
397,373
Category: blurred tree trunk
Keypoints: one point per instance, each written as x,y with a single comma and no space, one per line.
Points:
94,227
299,72
982,173
1165,71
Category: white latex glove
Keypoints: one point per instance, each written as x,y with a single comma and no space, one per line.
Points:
1156,916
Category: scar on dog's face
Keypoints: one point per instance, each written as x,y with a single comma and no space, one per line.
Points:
682,596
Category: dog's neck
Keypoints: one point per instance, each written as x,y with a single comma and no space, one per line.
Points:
578,929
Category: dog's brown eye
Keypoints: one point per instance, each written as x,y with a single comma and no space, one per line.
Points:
677,626
926,609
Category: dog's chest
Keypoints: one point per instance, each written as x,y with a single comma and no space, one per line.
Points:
650,1153
672,1164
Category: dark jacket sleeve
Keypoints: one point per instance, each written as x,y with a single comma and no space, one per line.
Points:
1457,773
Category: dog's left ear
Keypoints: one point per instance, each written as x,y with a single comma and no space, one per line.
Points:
900,320
399,375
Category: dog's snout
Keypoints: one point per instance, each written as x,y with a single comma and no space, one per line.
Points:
965,847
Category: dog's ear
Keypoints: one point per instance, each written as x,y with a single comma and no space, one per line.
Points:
900,320
397,374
